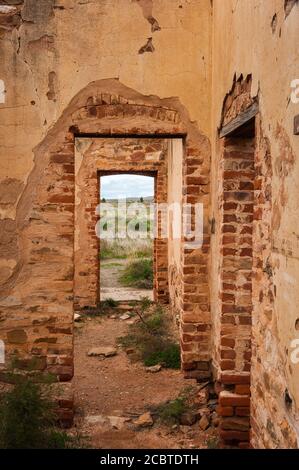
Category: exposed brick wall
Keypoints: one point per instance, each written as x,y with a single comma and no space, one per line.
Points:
236,286
251,379
195,317
234,325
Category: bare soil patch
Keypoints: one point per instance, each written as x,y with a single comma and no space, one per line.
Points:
112,393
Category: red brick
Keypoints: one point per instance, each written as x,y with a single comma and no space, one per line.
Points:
228,354
242,389
232,399
227,342
234,378
225,410
235,424
229,436
61,199
62,158
227,365
243,411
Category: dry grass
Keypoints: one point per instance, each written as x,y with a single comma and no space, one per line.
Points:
126,248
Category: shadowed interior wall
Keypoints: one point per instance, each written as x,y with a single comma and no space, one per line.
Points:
257,38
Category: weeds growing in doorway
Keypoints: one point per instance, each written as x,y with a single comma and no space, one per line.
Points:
151,338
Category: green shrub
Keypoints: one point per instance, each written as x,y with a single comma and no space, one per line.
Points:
144,304
171,412
139,274
154,322
27,419
109,303
167,354
150,337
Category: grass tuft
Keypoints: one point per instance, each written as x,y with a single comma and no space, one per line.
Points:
138,273
123,249
151,340
109,303
172,411
168,355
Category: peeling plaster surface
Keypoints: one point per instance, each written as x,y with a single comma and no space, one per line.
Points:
244,33
82,41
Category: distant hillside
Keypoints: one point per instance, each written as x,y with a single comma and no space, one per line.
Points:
145,199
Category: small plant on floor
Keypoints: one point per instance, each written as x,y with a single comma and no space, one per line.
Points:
27,419
103,308
212,442
138,274
153,321
145,304
172,411
167,354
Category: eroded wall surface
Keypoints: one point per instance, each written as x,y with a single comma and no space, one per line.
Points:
44,65
259,38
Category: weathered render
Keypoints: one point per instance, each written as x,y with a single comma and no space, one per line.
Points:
173,71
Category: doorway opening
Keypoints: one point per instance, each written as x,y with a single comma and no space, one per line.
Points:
127,229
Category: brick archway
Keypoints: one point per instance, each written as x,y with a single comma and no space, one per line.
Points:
238,208
42,284
103,156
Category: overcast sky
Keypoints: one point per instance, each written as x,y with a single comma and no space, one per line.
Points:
120,186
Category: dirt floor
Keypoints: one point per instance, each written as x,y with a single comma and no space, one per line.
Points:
110,271
111,393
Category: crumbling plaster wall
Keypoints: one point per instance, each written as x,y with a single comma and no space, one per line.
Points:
57,57
260,38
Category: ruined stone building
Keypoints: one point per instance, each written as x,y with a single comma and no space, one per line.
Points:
215,85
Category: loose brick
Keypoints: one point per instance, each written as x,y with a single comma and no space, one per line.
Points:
232,399
242,389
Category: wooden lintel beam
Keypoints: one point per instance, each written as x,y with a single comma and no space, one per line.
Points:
239,121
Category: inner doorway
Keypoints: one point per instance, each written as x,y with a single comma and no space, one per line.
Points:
95,159
127,226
